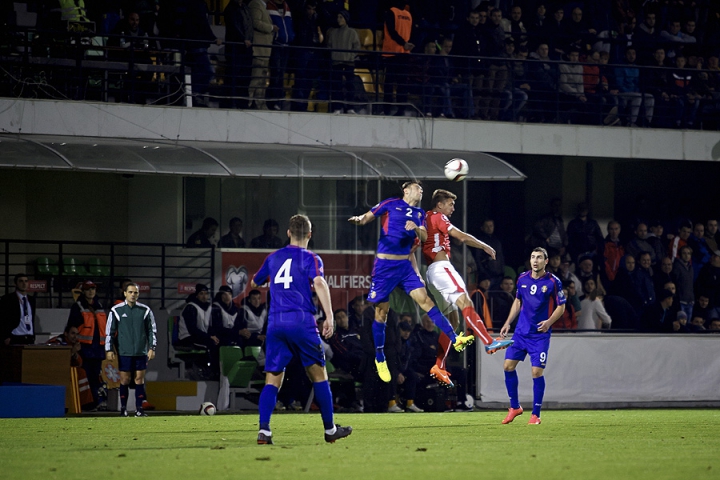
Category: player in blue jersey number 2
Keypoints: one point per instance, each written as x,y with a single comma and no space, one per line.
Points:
540,302
292,329
402,230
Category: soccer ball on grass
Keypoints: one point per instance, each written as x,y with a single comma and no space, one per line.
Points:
207,408
456,170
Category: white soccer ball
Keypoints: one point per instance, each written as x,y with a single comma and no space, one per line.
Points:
207,408
456,170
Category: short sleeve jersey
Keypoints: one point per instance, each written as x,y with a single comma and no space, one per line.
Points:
539,299
394,213
438,238
290,271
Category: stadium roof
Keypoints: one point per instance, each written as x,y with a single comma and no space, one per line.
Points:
190,158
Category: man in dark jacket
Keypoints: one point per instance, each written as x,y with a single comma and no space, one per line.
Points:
238,51
470,42
584,234
658,317
204,236
194,325
226,321
307,60
281,18
348,353
17,315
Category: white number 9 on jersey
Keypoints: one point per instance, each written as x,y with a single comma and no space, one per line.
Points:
533,289
283,275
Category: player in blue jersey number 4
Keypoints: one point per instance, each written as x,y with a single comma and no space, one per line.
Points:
540,302
402,230
292,329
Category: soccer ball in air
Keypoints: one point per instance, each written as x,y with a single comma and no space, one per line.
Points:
207,408
456,170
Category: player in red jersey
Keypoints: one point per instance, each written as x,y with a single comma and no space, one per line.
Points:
446,283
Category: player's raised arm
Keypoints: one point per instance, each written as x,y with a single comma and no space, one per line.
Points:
323,293
363,219
471,241
514,310
420,231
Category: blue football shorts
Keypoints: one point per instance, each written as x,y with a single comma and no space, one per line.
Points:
537,348
388,274
292,334
132,364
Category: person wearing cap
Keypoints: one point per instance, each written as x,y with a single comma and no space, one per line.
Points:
225,321
194,324
343,63
131,332
88,316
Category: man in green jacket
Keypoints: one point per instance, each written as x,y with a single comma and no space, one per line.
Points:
131,331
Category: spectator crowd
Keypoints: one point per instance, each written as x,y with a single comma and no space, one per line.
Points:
602,62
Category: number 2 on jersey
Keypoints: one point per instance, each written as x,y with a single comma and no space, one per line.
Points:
283,275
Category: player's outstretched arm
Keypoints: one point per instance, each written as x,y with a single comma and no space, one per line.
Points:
514,310
545,325
471,241
323,293
363,219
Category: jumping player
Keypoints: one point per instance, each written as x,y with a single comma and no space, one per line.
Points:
291,326
443,278
540,302
403,227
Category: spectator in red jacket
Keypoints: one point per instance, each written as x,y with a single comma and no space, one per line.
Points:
613,251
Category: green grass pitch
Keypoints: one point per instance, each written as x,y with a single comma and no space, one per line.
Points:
605,444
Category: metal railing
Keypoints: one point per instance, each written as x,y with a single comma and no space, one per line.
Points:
60,266
85,66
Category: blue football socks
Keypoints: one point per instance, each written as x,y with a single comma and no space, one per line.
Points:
323,397
443,323
268,399
139,396
378,329
511,383
124,392
538,393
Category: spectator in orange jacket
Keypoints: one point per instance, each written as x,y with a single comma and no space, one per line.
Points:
613,251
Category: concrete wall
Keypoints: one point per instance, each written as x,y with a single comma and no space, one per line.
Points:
132,121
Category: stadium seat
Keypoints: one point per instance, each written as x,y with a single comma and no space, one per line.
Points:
73,268
238,372
46,266
252,352
98,268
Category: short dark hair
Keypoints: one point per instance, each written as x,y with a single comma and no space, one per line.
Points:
18,276
235,219
254,291
441,195
131,283
269,223
340,310
299,226
541,250
209,222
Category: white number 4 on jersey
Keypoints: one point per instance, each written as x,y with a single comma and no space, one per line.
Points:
283,275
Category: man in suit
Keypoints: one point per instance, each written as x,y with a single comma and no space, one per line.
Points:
17,314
